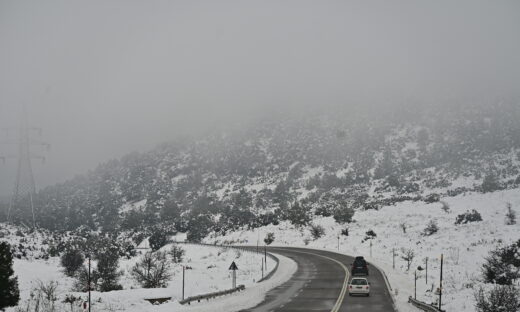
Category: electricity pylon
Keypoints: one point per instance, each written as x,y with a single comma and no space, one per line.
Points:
21,205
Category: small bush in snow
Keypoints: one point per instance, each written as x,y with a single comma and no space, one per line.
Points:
177,253
468,216
432,198
502,266
343,214
510,215
370,234
498,299
317,231
269,238
445,207
407,255
431,228
344,232
152,271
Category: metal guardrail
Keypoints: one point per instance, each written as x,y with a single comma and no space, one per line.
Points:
212,295
423,306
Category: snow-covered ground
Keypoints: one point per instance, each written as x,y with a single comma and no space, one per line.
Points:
464,246
207,271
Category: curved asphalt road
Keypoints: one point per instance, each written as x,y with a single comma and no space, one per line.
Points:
318,285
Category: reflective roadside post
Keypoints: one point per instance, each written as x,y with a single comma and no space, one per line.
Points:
419,268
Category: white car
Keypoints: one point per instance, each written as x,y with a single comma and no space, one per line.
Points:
359,286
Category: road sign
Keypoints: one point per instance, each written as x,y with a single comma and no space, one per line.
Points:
233,266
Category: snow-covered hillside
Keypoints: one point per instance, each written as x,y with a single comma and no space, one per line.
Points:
464,246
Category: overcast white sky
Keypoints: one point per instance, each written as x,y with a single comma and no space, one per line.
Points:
104,78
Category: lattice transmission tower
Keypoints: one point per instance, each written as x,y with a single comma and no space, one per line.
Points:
21,206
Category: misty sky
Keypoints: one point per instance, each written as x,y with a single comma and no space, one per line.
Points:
104,78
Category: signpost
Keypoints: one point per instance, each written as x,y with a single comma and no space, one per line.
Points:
234,267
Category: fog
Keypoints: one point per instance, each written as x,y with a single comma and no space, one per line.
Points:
104,78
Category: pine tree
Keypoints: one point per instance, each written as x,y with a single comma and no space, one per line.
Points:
9,292
502,266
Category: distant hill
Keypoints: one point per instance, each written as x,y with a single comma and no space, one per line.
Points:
293,167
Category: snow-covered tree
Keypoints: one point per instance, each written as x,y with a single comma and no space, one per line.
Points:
502,266
9,293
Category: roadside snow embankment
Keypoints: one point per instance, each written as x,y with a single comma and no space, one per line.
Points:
207,270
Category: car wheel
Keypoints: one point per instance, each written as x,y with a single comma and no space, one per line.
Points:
368,295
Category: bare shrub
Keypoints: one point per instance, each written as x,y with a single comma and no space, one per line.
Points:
454,254
445,207
407,255
510,215
152,271
403,227
269,238
431,228
317,231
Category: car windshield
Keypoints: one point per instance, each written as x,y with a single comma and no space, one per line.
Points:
359,281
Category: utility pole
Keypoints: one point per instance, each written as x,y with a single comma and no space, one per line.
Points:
183,275
415,285
89,283
265,257
440,285
257,241
22,198
426,271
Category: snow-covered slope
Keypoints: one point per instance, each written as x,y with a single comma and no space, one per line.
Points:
464,246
